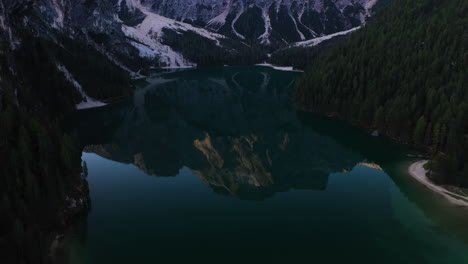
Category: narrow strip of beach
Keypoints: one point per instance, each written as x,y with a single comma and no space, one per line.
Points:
417,171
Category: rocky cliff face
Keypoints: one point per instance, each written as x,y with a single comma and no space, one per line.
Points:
133,33
268,21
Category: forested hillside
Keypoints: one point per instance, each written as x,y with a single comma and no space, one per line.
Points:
405,74
41,190
303,57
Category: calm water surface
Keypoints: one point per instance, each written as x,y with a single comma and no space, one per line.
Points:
216,165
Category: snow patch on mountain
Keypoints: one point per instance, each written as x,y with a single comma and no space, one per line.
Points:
148,37
370,4
234,22
316,41
156,23
58,6
145,51
264,38
87,102
279,68
299,20
131,5
220,20
311,18
295,25
150,34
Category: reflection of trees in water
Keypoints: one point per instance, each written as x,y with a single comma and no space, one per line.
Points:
239,133
235,129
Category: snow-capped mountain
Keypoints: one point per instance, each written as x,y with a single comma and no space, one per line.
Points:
148,35
272,23
136,34
268,21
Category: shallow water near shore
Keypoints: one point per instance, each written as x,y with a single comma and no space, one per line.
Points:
216,165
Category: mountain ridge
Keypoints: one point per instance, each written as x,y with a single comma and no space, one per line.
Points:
305,18
133,36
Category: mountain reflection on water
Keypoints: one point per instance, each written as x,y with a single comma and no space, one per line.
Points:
293,186
236,129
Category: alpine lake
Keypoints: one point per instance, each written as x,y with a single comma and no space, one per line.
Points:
216,165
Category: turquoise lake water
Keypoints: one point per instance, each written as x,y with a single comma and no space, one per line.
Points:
216,165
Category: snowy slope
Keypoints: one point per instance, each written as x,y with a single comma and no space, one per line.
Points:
148,37
87,102
283,21
316,41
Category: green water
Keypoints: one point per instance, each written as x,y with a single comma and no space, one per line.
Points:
215,165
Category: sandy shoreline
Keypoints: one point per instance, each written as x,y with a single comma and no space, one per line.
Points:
417,171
